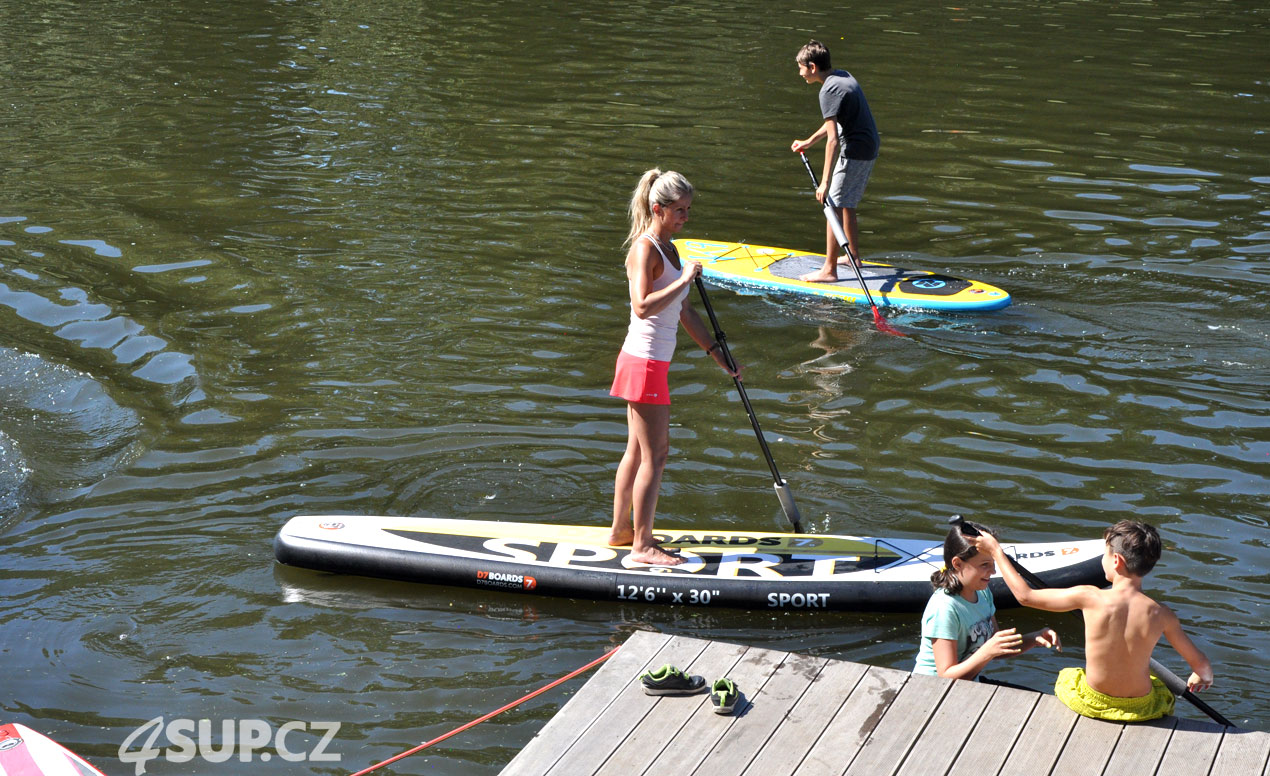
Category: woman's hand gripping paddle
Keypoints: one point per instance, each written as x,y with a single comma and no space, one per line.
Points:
1170,679
831,215
782,487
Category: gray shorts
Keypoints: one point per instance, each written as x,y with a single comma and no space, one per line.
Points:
850,176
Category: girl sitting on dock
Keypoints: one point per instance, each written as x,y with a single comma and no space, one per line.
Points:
959,627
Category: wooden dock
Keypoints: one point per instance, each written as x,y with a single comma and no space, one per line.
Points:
805,715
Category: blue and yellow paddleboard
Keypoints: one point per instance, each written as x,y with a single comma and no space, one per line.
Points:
777,269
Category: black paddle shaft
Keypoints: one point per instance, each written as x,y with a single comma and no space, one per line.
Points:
846,245
722,339
791,511
1171,679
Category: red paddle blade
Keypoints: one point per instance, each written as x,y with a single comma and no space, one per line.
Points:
883,326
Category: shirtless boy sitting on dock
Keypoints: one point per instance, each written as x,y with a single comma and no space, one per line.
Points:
1122,627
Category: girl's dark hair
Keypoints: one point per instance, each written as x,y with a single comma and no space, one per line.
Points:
956,545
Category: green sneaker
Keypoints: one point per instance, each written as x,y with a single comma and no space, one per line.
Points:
669,680
724,696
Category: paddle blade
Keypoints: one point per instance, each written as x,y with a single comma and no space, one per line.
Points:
883,326
787,504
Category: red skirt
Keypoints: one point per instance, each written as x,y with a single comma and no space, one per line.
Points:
641,380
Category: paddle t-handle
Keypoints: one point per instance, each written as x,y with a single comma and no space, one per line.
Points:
1170,679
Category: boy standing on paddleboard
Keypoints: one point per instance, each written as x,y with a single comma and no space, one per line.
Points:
851,146
1122,626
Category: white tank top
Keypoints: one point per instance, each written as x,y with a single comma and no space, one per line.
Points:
654,337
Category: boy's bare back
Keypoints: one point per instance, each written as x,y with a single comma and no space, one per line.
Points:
1122,627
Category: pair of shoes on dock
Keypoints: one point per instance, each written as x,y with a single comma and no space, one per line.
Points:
669,680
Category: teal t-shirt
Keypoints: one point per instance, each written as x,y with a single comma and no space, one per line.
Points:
953,617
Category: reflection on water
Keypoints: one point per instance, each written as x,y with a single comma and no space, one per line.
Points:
260,259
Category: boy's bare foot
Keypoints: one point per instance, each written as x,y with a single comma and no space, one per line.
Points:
819,276
621,539
655,556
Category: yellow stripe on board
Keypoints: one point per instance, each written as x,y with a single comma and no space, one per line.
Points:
700,542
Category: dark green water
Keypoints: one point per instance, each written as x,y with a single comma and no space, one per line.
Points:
268,258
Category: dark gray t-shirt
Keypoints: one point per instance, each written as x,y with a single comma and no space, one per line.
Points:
842,98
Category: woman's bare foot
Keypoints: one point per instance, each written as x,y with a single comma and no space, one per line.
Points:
621,539
655,556
819,276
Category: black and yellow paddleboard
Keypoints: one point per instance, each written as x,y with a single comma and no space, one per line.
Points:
741,569
778,269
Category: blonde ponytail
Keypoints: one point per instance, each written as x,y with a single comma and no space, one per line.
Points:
656,186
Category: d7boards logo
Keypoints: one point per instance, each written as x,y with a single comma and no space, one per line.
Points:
246,738
506,581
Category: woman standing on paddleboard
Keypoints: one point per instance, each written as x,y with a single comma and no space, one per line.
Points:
659,283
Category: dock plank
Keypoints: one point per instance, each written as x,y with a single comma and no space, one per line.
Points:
900,726
627,709
995,733
1242,752
1041,739
698,737
1088,748
759,720
807,720
598,694
651,735
1141,747
854,722
1192,748
947,729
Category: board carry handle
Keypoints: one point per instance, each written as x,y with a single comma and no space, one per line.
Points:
1170,679
782,488
835,224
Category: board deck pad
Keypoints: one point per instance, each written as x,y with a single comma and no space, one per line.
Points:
880,279
778,269
743,569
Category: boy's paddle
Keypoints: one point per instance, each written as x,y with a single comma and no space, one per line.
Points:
1170,679
782,488
831,215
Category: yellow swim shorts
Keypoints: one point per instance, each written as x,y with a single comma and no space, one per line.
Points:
1072,689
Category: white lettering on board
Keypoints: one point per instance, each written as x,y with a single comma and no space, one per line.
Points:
798,600
826,566
757,564
503,547
566,554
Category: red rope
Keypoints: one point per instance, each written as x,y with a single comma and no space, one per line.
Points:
494,713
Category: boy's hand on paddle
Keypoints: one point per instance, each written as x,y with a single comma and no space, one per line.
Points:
798,146
1197,682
